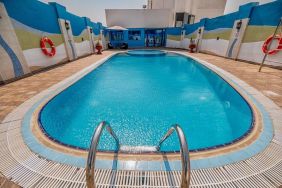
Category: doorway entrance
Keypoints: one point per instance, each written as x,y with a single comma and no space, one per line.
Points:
154,37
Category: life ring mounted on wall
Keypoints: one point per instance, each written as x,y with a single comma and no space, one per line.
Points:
43,42
267,43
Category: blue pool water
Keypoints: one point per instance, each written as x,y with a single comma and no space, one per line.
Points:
141,97
146,52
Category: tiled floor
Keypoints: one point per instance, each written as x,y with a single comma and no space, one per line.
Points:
269,82
15,93
4,183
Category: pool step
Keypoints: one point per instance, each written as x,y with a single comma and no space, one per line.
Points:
138,149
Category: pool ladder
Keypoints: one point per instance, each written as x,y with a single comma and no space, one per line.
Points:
184,151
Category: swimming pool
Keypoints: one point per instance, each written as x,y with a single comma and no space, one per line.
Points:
141,97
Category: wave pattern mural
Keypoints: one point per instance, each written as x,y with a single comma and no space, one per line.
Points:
82,43
260,27
31,20
29,39
12,61
173,37
17,67
218,32
223,34
261,33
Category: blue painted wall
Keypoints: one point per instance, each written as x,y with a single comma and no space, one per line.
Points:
191,28
136,43
34,14
78,24
131,43
225,21
267,14
246,10
33,19
174,31
96,27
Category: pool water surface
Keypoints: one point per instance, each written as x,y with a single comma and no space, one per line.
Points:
141,97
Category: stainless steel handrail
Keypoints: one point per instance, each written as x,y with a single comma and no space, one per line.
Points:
90,168
184,151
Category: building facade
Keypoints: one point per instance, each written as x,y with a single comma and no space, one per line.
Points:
139,18
189,11
233,5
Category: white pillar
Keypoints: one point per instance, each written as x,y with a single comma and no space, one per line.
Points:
103,40
91,39
66,30
236,38
199,38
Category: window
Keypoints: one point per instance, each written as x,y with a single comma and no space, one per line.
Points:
191,19
182,18
116,35
134,35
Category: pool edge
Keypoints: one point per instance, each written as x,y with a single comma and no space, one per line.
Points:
196,166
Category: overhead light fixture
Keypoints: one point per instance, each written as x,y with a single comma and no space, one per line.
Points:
239,25
200,31
67,25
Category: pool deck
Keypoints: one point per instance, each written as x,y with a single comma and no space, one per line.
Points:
268,82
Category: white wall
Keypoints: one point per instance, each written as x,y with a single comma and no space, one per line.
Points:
139,18
163,4
207,8
199,8
233,5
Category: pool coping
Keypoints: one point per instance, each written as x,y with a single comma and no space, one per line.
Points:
251,150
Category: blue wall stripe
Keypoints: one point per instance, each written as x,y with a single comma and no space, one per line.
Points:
18,70
72,50
231,48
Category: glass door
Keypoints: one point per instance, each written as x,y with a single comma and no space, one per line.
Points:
154,37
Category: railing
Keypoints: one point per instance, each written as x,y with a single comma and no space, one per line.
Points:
90,168
184,151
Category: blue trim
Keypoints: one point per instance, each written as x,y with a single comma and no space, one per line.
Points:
18,70
256,147
173,31
72,50
231,48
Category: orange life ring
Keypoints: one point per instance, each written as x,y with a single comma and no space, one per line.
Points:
44,49
267,42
